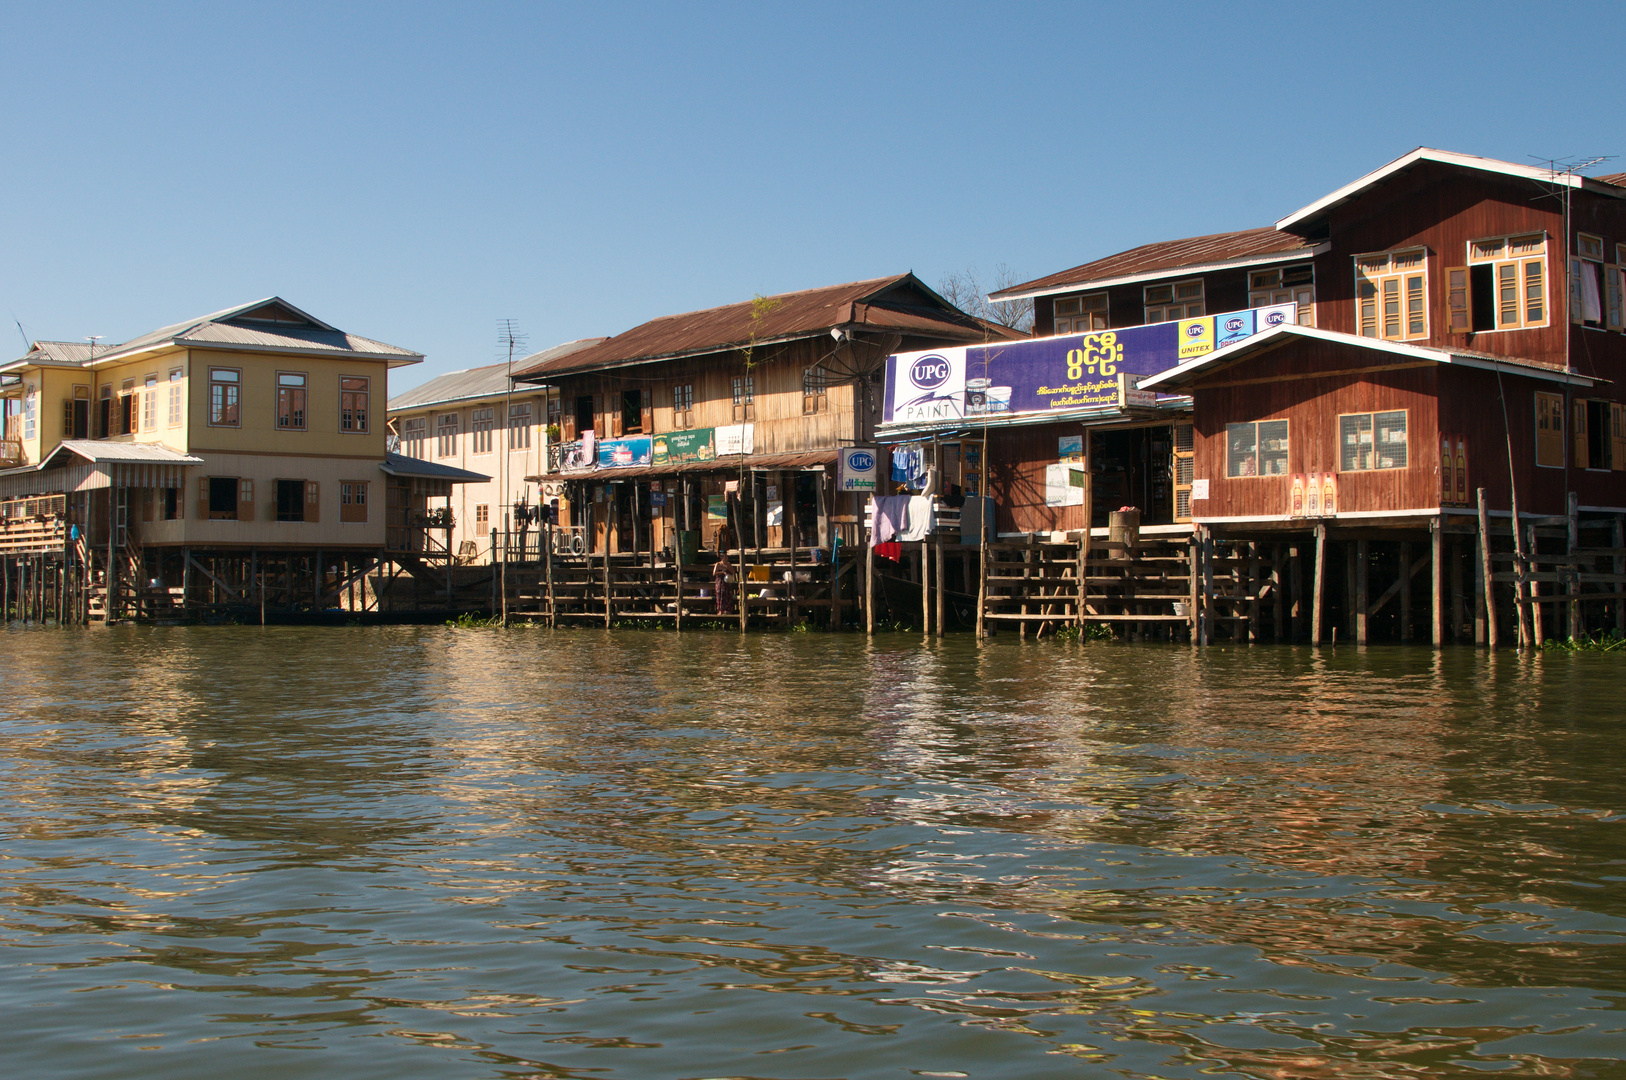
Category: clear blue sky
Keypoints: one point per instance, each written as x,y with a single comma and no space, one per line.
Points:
416,172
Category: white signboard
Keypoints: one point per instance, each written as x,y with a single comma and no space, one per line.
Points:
1058,485
930,386
857,469
735,439
1199,490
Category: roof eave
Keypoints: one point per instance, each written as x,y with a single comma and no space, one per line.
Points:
1240,262
1445,157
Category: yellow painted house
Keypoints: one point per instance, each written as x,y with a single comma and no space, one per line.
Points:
258,428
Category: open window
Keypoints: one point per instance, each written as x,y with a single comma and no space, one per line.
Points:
1593,434
1503,287
1550,430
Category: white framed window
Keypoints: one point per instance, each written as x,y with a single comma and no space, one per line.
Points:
354,391
519,426
1374,440
1586,280
31,410
683,404
1176,300
480,421
1391,294
1285,285
446,435
223,401
149,402
414,433
1614,288
1503,287
745,397
290,401
177,397
1081,314
1257,448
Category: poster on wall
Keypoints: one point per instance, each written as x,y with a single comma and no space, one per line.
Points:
857,469
619,453
1059,489
1073,371
735,439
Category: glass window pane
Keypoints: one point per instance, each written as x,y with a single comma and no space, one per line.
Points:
1242,457
1391,440
1273,448
1355,442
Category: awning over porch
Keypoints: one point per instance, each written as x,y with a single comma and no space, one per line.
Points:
92,464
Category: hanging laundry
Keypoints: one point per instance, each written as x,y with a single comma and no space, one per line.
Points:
919,523
891,517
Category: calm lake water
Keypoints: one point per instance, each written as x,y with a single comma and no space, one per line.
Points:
424,852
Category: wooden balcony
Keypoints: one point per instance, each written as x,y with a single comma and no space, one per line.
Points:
33,526
11,453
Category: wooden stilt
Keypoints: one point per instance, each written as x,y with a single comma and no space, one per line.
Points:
942,593
1618,541
1577,625
1276,600
869,585
924,562
1437,573
1253,592
1458,615
1405,590
1533,592
1319,586
1361,572
1485,630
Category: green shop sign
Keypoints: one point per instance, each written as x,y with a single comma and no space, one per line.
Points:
682,447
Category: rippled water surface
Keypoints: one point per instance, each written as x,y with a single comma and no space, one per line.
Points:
424,852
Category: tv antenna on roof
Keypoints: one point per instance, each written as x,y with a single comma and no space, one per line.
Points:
93,339
509,340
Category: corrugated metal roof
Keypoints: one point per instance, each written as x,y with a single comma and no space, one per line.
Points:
1166,255
102,451
401,465
236,328
900,304
488,381
1617,179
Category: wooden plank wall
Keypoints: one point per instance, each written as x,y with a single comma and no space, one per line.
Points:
1285,384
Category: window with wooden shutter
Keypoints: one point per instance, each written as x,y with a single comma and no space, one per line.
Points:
1183,467
1614,300
313,501
1579,434
1391,292
245,500
1458,302
1617,437
203,499
1549,431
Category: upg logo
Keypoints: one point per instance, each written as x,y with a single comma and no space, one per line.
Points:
861,461
1196,330
1276,318
1233,325
929,372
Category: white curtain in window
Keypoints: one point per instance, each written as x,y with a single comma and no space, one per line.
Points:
1591,302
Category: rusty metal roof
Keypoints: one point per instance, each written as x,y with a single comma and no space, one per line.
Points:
1165,257
474,383
901,304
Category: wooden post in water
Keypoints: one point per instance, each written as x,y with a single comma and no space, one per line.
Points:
1533,593
1577,627
1405,590
1437,572
1361,599
942,596
1319,584
869,584
1617,540
547,539
1487,578
1208,585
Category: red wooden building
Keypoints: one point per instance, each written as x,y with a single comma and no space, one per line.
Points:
1460,328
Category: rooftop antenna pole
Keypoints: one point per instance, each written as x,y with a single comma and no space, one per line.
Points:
509,339
28,346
